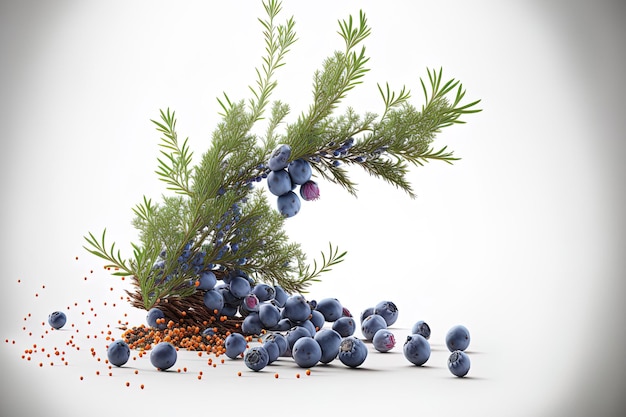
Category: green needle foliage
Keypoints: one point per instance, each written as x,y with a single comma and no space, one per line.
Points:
214,218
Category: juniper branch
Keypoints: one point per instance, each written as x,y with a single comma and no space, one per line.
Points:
175,166
219,221
278,40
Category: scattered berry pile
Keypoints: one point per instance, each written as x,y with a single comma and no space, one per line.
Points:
267,324
288,325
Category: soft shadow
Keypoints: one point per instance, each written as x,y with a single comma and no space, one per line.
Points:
362,369
411,366
469,377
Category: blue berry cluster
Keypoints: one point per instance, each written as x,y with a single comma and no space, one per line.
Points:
375,322
457,341
296,327
284,176
337,151
224,241
237,295
188,261
228,235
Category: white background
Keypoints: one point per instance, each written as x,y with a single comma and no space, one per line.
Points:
521,240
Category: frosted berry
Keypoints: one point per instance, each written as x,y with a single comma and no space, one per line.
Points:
57,319
457,338
206,281
416,349
371,325
256,358
163,356
329,341
214,300
352,351
118,353
273,349
251,324
280,340
289,204
296,308
235,344
331,308
388,311
269,315
279,182
264,292
239,287
294,334
156,318
279,159
345,326
384,340
299,171
306,352
459,363
421,327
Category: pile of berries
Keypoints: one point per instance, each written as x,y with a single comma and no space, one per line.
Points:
286,325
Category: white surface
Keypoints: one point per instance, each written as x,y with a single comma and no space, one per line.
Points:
521,240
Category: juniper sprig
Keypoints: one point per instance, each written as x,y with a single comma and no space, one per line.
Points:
214,216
